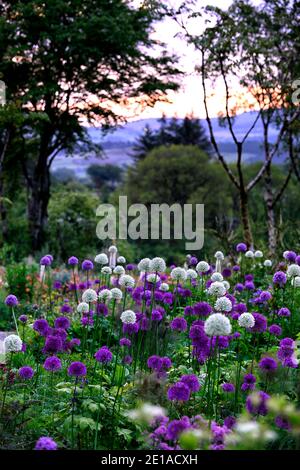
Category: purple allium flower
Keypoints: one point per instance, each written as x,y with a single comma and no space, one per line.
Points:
166,363
265,296
267,364
259,404
228,387
127,359
284,312
130,267
248,382
291,362
191,381
74,342
45,261
279,278
26,372
260,323
249,277
52,364
240,308
45,443
77,369
287,343
41,326
130,328
249,285
156,315
125,342
241,247
189,310
102,309
176,427
226,272
66,308
154,362
73,261
11,300
193,261
53,344
62,322
275,330
87,265
168,298
179,391
23,318
239,287
103,355
202,309
229,422
236,268
290,256
178,324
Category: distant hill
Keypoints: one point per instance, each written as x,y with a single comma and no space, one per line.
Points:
118,144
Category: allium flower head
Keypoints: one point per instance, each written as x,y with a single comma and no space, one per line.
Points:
73,261
290,256
258,254
12,343
219,255
116,293
178,324
26,372
228,387
45,261
121,260
105,295
11,300
164,287
296,281
246,320
87,265
192,381
217,324
202,267
284,312
23,318
119,270
267,263
128,317
106,270
217,288
157,265
77,369
260,324
267,364
191,274
178,274
293,270
83,307
144,265
179,392
52,364
249,254
101,259
216,277
62,322
223,304
112,249
153,278
45,443
103,355
241,247
126,281
41,326
279,278
257,403
89,295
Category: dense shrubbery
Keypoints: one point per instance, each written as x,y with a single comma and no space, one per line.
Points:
128,357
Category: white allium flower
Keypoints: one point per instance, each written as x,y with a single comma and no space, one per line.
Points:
146,413
112,249
217,288
153,278
89,295
296,281
178,274
248,428
226,285
246,320
101,258
217,277
223,304
267,263
144,265
219,255
293,270
202,267
119,270
106,270
191,274
217,324
157,265
128,316
105,295
126,281
249,254
258,254
164,287
116,293
83,307
121,260
12,343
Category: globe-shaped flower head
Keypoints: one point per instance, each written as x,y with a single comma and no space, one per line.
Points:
89,295
178,274
217,324
157,265
144,265
202,267
246,320
101,259
128,317
12,343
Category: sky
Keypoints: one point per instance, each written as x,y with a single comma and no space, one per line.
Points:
189,98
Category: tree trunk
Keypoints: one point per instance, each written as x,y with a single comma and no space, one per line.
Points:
271,220
245,217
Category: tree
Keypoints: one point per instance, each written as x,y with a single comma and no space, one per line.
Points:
238,46
105,178
187,131
73,62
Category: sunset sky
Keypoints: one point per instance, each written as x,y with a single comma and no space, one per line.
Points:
189,98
